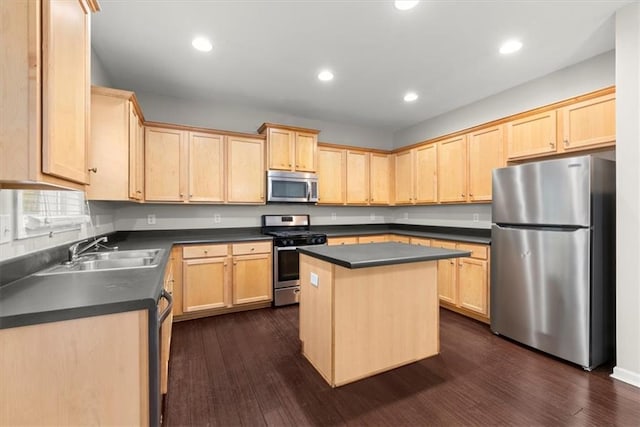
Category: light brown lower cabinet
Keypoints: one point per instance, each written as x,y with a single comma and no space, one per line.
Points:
252,276
463,283
375,238
220,278
165,331
87,371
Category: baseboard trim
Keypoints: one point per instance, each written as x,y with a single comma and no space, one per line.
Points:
626,376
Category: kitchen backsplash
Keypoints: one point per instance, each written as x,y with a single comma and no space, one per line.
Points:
123,216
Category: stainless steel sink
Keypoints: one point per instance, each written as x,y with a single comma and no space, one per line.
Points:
101,261
143,253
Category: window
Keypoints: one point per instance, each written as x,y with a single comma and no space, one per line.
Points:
40,212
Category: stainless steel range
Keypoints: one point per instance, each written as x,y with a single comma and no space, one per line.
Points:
290,232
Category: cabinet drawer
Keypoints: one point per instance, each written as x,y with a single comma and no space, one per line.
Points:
477,251
373,239
342,241
204,251
398,238
420,241
251,248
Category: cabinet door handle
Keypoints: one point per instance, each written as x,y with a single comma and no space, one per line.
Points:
235,263
289,164
462,194
253,249
552,145
181,195
296,165
566,142
94,170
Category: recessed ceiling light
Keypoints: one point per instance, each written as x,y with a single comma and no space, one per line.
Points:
410,97
202,44
325,75
405,4
510,46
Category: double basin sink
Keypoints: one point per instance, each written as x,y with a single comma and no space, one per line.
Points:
101,261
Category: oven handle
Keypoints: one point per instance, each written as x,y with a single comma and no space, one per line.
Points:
166,295
286,248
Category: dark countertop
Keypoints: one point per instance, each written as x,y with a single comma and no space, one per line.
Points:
39,299
378,254
27,299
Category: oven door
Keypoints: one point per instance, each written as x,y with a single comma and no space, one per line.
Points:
286,267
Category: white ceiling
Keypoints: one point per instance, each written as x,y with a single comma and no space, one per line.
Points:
267,53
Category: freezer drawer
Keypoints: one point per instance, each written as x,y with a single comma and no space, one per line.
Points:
540,289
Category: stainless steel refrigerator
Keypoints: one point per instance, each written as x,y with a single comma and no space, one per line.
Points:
553,257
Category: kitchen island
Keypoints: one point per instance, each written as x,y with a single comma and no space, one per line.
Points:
366,309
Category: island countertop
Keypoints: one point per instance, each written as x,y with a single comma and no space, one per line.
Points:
378,254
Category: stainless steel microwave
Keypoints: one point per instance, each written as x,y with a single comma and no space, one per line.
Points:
292,187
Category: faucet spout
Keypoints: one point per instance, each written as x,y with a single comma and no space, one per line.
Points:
75,251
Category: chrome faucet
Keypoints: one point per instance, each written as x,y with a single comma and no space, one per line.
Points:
75,251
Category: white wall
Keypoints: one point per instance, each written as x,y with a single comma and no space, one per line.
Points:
99,76
628,195
587,76
445,215
242,118
130,216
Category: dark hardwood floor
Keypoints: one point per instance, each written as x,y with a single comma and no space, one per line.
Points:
246,369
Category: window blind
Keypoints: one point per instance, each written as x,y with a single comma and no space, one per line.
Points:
43,211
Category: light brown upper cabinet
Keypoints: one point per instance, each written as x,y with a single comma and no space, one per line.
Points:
290,148
486,152
115,138
331,176
357,177
206,167
380,178
452,169
245,170
136,155
404,182
416,175
45,103
165,164
202,167
583,125
589,123
532,135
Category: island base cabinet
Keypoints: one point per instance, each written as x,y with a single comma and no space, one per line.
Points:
88,371
355,323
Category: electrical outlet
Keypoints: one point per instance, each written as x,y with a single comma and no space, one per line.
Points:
151,219
334,216
217,218
372,217
476,217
